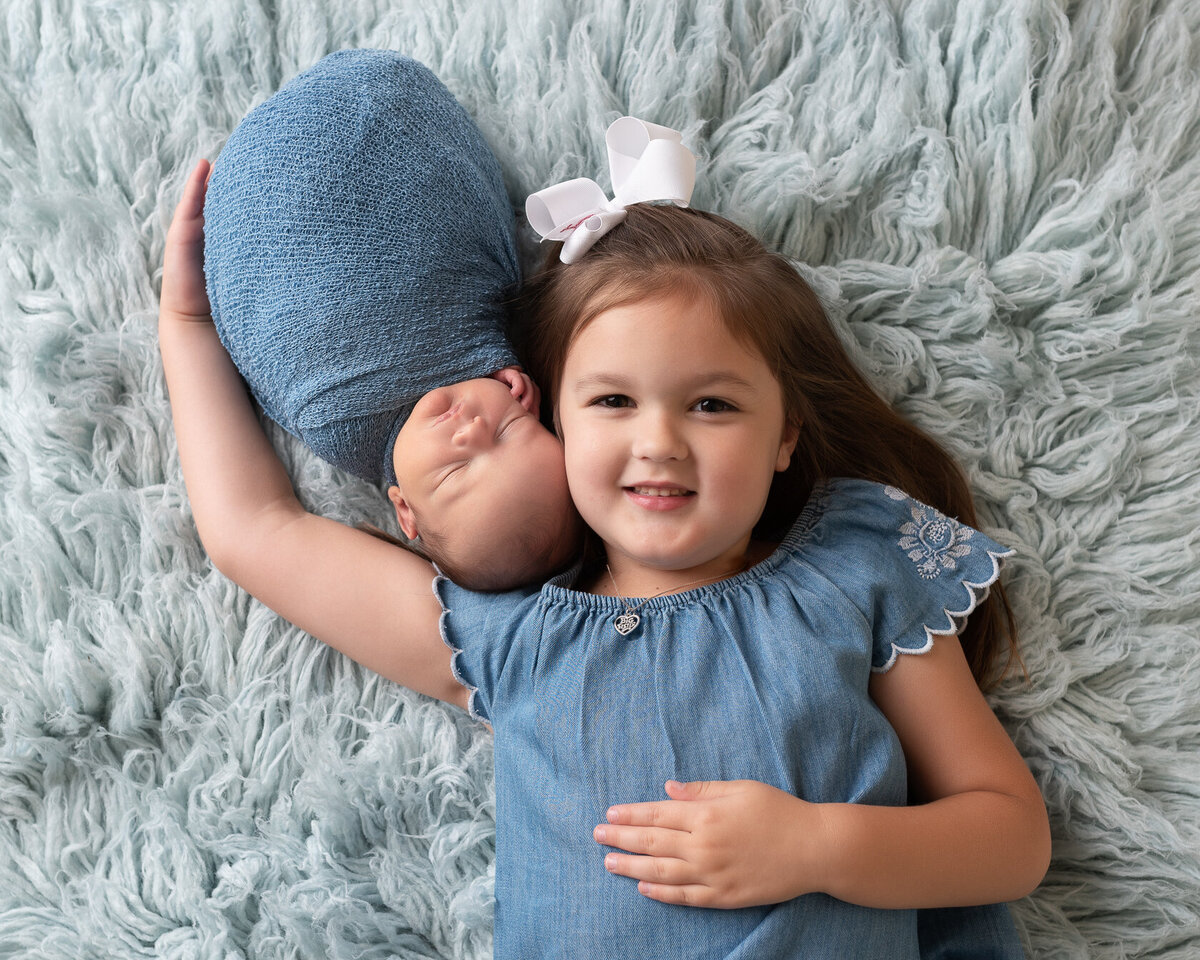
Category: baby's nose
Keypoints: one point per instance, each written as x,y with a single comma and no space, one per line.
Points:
471,432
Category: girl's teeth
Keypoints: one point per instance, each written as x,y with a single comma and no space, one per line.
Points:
656,492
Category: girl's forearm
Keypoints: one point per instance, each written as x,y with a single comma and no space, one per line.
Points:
231,470
961,850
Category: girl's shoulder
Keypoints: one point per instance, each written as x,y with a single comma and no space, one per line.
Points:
912,571
847,513
480,630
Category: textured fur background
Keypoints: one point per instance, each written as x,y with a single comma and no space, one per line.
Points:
1000,203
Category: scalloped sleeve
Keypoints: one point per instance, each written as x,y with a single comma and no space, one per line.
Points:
911,571
491,635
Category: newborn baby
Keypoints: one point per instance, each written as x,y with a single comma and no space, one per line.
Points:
358,239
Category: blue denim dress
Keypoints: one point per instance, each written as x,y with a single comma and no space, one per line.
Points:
762,676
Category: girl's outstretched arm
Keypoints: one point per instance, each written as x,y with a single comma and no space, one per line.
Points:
977,832
363,596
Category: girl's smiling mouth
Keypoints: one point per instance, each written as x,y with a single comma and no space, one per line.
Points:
659,496
659,491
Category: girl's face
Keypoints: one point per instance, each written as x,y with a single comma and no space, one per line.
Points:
673,431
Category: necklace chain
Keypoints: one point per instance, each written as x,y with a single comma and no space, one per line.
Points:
628,619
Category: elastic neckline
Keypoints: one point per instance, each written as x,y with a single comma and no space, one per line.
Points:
559,591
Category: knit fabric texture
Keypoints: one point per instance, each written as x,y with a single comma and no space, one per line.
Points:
357,239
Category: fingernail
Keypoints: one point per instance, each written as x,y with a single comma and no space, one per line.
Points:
610,862
612,814
601,834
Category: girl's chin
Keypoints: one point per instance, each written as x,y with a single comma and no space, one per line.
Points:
656,553
655,562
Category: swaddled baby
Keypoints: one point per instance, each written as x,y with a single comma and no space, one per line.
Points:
357,239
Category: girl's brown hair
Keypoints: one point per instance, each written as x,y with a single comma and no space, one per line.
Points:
846,428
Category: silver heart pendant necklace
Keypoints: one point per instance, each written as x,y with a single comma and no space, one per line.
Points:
627,620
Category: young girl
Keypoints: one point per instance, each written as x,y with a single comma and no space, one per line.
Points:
772,688
358,240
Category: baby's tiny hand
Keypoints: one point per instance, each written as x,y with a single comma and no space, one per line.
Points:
184,296
521,386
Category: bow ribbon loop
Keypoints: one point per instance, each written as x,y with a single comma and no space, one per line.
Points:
647,162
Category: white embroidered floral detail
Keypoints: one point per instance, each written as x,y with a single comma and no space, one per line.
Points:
933,541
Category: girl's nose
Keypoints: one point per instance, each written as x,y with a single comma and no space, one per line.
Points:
658,438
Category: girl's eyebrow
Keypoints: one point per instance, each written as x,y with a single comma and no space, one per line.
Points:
709,379
595,381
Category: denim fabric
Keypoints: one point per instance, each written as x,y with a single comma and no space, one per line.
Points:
357,238
762,676
968,933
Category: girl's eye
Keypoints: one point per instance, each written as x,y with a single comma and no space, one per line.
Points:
713,405
613,400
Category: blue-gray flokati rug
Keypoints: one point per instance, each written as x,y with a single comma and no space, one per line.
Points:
1001,204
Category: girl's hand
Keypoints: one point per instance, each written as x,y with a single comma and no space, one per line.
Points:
184,296
722,843
521,386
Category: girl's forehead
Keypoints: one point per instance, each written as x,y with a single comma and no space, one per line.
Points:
686,313
664,338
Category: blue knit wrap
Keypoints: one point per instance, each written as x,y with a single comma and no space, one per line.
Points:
357,236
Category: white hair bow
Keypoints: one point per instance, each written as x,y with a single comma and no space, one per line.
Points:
647,162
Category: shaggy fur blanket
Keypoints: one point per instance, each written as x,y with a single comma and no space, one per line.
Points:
998,201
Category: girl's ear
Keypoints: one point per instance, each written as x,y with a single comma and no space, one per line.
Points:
404,513
787,446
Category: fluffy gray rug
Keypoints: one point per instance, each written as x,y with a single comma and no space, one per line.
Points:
1000,203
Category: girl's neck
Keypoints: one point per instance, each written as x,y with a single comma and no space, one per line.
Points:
625,577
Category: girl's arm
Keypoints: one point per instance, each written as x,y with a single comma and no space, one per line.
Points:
980,835
361,595
979,816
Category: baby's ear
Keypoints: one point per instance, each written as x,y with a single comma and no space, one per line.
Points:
404,513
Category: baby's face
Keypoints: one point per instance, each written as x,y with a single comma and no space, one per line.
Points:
474,463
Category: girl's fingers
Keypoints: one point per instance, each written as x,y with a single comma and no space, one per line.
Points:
651,841
684,894
198,180
191,204
673,814
183,289
664,870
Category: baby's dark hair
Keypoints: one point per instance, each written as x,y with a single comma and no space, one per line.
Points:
845,428
538,551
